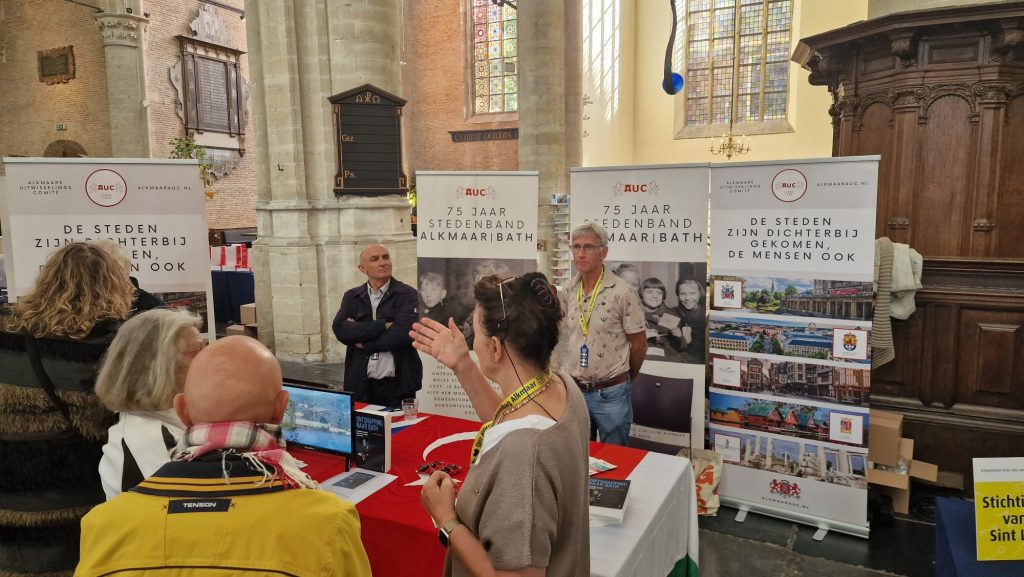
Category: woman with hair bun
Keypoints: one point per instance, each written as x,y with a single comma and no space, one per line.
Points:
52,426
523,509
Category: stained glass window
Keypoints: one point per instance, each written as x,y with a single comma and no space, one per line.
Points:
495,58
737,60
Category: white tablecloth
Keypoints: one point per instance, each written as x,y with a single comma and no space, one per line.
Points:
659,527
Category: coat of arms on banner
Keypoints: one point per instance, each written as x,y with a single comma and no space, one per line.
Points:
846,428
728,294
850,344
785,489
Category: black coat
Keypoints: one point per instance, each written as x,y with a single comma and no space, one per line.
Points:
143,301
399,307
49,477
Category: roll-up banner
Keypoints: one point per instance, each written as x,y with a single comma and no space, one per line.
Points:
792,264
471,224
154,208
657,222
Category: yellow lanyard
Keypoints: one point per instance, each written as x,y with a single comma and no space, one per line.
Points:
518,397
585,318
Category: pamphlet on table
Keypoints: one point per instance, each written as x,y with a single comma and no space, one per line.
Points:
357,484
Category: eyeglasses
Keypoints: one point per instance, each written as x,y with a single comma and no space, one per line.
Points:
586,247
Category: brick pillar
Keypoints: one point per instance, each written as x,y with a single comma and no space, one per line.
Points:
309,241
126,83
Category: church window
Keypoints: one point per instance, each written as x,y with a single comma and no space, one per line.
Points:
495,66
736,64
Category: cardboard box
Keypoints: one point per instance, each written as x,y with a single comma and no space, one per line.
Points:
885,429
248,313
250,330
897,485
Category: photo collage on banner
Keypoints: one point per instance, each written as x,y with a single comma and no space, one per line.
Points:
155,209
656,218
471,225
790,295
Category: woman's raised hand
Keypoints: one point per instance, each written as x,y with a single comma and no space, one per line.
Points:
444,343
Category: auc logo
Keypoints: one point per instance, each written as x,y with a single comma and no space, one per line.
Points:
106,188
789,185
650,188
476,192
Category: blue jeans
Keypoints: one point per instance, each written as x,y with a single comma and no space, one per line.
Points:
611,414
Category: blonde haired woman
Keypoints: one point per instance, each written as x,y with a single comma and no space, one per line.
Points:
143,370
52,426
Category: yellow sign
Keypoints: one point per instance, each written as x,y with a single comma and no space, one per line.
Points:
999,508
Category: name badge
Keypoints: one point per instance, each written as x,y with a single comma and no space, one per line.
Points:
198,506
584,355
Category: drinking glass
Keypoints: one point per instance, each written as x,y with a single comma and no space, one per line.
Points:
411,408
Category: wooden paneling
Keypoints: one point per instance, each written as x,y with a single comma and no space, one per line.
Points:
1009,217
875,137
902,379
939,203
939,94
992,359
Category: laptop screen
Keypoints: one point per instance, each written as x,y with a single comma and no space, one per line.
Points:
318,419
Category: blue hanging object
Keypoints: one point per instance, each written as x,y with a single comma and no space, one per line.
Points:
671,82
677,84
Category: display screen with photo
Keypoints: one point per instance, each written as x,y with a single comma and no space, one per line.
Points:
319,419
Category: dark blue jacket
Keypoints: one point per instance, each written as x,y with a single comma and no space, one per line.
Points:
399,307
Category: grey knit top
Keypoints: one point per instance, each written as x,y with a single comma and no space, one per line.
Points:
526,498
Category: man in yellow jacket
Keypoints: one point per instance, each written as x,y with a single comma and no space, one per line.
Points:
230,501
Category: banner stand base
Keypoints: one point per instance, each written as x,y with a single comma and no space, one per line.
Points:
741,514
823,527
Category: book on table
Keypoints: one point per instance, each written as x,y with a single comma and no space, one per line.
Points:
608,498
373,440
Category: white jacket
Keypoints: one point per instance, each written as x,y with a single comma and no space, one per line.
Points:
138,444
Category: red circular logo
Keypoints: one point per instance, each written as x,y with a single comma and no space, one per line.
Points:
789,185
106,188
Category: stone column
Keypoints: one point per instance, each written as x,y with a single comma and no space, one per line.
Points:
126,82
309,241
550,101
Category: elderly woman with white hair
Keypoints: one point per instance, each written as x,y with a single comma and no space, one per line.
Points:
144,369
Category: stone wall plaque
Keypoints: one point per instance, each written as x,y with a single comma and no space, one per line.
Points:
484,135
368,128
212,103
57,65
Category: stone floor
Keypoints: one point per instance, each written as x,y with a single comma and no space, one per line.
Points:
763,546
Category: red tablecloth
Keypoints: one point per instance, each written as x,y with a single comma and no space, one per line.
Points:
397,533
